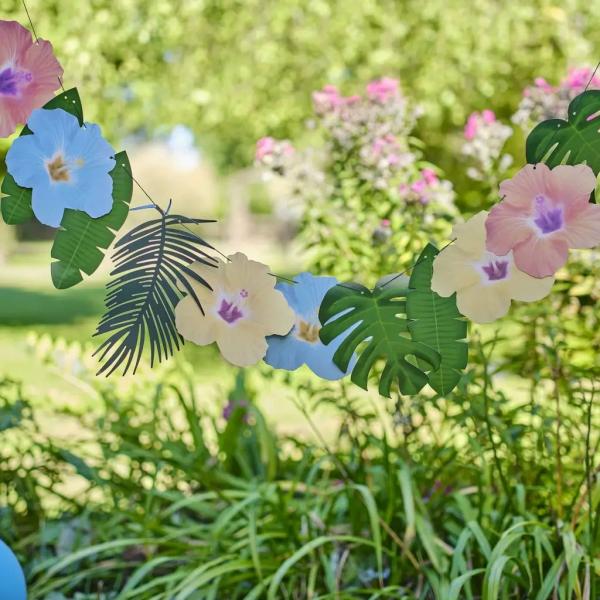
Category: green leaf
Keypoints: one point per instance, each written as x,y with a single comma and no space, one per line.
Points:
150,261
571,142
435,321
16,204
80,240
375,318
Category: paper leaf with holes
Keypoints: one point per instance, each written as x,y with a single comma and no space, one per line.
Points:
435,321
380,334
571,142
152,260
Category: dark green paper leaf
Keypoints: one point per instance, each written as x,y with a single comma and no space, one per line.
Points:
16,204
151,265
435,321
80,240
378,319
571,142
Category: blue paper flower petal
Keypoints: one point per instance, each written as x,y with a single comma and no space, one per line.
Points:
291,351
12,580
66,166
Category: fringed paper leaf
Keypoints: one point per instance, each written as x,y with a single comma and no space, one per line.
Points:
152,263
380,334
435,321
571,142
80,240
16,204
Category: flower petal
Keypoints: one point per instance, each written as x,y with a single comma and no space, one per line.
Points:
47,205
453,270
470,235
525,288
285,352
244,346
483,304
507,225
583,226
192,325
571,183
541,256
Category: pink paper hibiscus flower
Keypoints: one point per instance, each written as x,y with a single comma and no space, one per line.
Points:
544,213
29,75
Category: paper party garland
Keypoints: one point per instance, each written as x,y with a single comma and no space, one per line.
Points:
168,284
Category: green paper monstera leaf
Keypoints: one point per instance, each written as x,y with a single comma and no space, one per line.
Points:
571,142
379,332
80,240
435,321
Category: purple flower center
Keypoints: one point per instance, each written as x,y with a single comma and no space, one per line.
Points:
11,81
547,219
229,312
496,269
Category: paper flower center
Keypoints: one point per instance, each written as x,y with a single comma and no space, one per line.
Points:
496,269
547,218
229,312
13,81
58,169
308,332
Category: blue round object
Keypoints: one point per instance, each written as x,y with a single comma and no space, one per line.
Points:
12,580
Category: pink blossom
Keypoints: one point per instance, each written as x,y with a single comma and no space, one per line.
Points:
578,78
264,147
544,213
542,84
488,116
382,90
429,176
29,75
327,99
471,126
385,223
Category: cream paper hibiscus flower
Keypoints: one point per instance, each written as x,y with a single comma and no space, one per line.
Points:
484,283
242,309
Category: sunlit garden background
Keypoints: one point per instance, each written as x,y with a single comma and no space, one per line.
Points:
196,480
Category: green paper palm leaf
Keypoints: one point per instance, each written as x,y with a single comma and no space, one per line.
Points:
571,142
379,332
435,321
152,260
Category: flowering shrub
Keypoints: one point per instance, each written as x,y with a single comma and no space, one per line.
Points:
366,186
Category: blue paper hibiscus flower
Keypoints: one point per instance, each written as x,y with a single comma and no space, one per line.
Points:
12,580
65,165
302,344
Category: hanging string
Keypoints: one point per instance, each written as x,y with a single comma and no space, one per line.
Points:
592,77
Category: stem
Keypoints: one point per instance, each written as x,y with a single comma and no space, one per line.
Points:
588,473
488,423
559,466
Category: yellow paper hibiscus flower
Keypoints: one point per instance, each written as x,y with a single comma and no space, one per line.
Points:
242,309
484,283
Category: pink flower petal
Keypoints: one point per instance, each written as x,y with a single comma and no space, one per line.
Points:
570,184
583,226
506,226
541,256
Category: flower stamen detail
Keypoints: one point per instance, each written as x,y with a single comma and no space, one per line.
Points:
229,312
58,169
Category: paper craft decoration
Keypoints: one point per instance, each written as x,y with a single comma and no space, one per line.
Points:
484,283
81,239
302,344
29,75
436,321
380,333
544,213
12,580
65,164
242,307
151,261
576,141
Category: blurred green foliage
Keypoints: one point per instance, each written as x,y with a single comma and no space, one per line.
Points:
235,70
